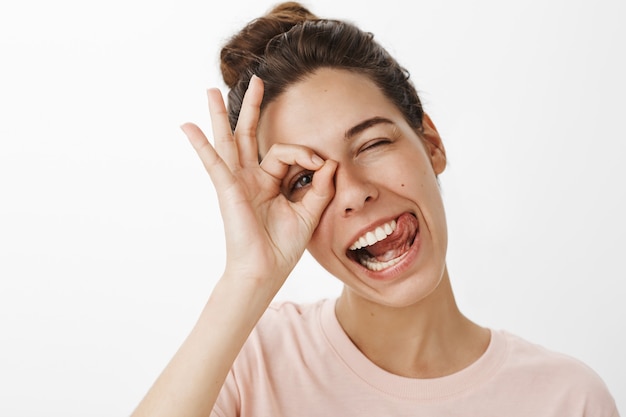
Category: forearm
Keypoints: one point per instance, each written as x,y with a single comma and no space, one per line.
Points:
191,382
266,233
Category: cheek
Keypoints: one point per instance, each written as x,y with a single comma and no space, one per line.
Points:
404,177
416,180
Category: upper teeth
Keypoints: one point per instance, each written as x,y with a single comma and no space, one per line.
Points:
373,236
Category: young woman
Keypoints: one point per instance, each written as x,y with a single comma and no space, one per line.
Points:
348,170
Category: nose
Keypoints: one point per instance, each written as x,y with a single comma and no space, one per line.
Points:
353,189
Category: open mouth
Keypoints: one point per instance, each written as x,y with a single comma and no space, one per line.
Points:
386,245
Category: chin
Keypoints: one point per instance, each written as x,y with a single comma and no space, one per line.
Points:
410,290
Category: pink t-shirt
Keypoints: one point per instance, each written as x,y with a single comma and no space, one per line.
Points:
298,362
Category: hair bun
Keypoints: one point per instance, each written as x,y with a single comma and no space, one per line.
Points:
243,51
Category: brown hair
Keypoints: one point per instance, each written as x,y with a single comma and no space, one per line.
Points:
289,43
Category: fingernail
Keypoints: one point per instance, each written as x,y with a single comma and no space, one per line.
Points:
317,160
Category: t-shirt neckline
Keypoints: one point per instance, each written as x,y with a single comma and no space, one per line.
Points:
410,388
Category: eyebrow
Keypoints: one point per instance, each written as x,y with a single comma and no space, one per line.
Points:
364,125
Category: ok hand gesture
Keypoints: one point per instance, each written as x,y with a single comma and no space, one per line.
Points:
266,233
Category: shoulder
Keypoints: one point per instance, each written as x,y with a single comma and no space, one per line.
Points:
286,311
281,348
532,357
290,317
287,342
289,328
542,370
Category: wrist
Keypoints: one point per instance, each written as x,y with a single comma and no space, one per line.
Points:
250,295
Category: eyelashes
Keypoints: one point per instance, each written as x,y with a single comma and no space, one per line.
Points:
374,144
297,185
300,181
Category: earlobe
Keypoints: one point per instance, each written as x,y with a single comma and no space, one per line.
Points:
434,144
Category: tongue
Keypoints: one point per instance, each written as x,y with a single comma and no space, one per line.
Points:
396,243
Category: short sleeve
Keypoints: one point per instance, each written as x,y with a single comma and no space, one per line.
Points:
228,400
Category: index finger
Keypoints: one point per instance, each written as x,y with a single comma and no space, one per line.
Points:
245,132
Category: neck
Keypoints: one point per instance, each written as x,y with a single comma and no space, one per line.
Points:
428,339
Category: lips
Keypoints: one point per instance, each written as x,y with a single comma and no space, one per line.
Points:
385,245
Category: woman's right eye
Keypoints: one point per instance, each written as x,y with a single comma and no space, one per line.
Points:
301,180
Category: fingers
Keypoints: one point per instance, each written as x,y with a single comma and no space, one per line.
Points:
245,132
321,192
218,171
225,144
316,198
281,156
238,148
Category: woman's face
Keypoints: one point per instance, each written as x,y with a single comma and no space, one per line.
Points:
384,232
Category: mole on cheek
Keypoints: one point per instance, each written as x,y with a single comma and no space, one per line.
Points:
401,185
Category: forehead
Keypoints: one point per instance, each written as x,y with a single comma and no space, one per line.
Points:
325,105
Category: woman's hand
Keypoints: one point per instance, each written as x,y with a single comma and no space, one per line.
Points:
266,233
265,236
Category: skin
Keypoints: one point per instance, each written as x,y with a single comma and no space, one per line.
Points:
383,171
404,319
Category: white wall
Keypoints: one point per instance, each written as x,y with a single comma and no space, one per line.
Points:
110,238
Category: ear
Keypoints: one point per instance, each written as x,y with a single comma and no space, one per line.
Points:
434,145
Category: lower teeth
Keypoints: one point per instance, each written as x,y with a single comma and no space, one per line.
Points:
374,265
